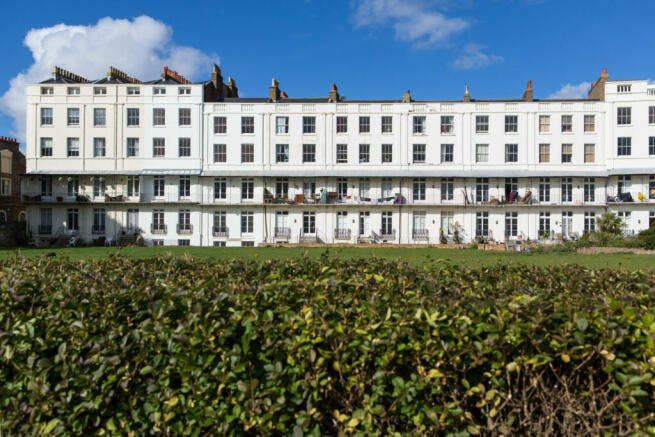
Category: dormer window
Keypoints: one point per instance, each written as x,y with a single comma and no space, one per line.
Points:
133,91
47,91
184,91
73,91
100,91
623,88
159,91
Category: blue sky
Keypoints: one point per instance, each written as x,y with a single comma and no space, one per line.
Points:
370,48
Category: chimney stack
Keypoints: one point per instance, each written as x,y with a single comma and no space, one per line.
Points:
333,95
527,94
597,90
274,91
407,97
467,94
232,90
284,95
217,77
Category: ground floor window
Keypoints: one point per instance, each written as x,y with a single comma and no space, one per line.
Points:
308,222
567,223
544,224
184,242
73,219
482,224
157,242
511,224
247,222
247,244
447,221
626,217
387,223
589,222
219,243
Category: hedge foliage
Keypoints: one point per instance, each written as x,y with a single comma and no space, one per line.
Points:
171,346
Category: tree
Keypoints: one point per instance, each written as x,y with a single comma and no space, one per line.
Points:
610,223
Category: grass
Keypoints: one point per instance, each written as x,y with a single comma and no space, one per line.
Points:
413,256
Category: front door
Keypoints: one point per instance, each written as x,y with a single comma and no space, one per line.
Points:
132,219
364,224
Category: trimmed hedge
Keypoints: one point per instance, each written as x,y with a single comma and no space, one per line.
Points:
171,346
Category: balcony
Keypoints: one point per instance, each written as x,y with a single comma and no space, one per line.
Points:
282,233
220,231
184,228
45,229
387,234
420,234
342,234
158,229
114,199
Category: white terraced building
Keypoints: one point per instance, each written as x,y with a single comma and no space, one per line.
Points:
194,164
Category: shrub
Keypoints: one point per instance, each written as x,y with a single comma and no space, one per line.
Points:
169,346
610,223
647,238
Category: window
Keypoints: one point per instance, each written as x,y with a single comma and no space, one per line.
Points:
98,187
99,91
158,147
651,115
342,125
281,188
220,125
282,223
220,188
184,91
482,224
247,153
73,91
651,189
247,189
184,242
567,189
132,147
309,125
624,184
342,222
387,124
623,116
364,125
544,223
247,244
281,125
419,189
387,153
47,90
158,91
482,190
73,186
567,223
342,188
511,224
158,116
624,146
626,218
73,116
589,222
184,117
511,189
158,242
567,123
590,123
73,147
544,153
544,124
447,152
447,220
73,219
184,222
567,153
309,190
309,153
651,146
589,153
99,117
46,147
364,153
133,91
220,153
364,188
158,224
132,116
387,188
98,147
447,124
281,153
623,88
247,219
511,123
481,124
418,125
46,116
220,222
247,125
447,188
387,223
589,189
158,186
308,222
342,153
544,189
46,186
482,153
418,153
5,187
133,186
45,226
184,191
511,152
184,147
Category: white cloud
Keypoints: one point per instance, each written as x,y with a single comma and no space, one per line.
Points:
569,91
140,47
473,57
412,20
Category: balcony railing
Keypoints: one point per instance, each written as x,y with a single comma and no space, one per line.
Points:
342,234
420,234
158,229
184,228
45,229
220,231
387,234
282,233
96,230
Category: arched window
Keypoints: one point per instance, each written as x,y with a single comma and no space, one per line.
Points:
21,216
3,217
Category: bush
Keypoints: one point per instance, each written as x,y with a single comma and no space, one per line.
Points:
647,238
167,346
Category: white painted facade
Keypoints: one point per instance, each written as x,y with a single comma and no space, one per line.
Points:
396,197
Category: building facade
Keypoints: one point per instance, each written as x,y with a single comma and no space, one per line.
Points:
195,164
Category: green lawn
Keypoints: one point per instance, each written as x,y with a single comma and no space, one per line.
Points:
414,256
